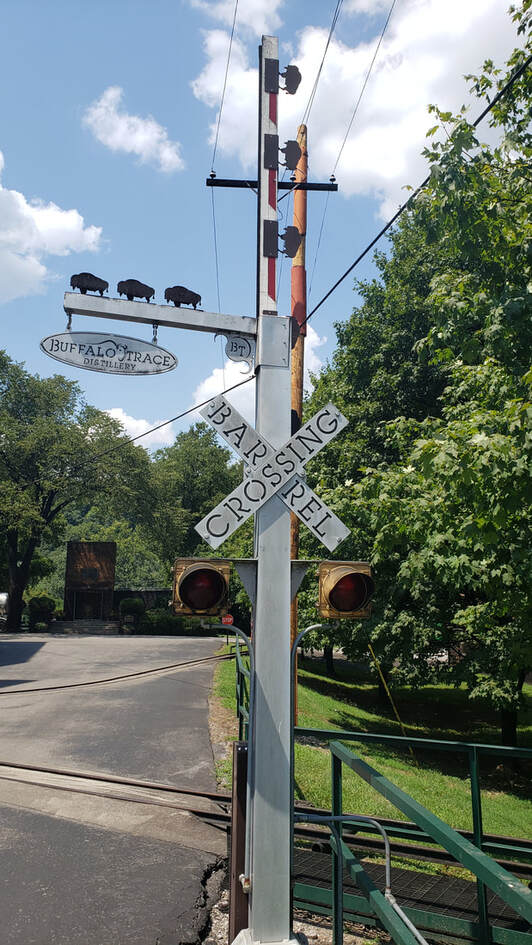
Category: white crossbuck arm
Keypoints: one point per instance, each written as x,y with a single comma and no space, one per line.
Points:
272,472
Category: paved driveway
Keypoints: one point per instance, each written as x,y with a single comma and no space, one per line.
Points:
94,871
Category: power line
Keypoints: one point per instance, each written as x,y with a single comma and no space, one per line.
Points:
132,439
217,271
353,116
312,96
224,85
165,423
519,72
215,241
319,242
363,89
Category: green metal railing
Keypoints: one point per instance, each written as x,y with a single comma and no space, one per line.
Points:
488,872
472,751
242,693
469,848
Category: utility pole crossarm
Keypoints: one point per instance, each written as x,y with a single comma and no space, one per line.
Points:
282,184
148,313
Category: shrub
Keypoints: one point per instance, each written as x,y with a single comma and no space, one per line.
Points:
132,607
40,610
161,622
40,627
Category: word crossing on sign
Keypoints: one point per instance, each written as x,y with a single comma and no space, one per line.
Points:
270,472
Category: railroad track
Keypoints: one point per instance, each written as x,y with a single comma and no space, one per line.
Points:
215,807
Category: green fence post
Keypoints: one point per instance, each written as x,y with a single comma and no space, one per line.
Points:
337,891
478,836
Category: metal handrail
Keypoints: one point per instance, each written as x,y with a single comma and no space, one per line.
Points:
437,744
251,705
293,652
474,859
338,819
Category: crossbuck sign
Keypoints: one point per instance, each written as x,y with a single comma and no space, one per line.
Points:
272,472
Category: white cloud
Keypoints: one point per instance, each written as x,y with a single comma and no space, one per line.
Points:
120,131
428,47
237,130
260,16
313,362
30,230
366,6
134,426
243,398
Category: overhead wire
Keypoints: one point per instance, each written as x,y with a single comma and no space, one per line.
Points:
215,239
310,103
217,272
133,439
503,91
308,108
350,125
320,234
364,84
224,86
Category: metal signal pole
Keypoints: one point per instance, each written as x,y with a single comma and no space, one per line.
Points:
270,908
299,313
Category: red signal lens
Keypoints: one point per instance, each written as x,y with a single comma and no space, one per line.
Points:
202,589
349,593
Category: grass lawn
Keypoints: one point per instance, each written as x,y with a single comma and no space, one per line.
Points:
438,781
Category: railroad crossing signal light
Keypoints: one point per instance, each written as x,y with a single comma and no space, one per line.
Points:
346,588
201,586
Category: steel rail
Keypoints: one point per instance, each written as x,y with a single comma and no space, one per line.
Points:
224,799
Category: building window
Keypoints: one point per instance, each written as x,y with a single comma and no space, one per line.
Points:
89,574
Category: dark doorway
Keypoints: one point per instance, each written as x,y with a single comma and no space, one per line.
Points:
88,605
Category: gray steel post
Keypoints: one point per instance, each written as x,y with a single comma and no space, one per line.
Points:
270,854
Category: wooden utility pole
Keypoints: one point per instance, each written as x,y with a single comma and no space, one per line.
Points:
299,312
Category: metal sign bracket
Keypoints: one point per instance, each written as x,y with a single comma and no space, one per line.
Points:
274,342
247,572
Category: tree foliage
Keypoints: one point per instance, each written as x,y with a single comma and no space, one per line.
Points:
189,477
55,450
433,371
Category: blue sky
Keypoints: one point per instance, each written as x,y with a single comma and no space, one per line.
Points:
107,116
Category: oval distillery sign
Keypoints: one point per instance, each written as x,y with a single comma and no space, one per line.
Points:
109,354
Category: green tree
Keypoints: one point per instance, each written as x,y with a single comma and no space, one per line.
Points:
448,534
48,447
438,493
190,477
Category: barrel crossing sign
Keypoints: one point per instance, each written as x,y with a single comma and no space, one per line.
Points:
272,472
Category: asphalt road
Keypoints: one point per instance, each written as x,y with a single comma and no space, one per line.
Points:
89,870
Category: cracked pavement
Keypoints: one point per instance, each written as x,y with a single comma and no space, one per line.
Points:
86,870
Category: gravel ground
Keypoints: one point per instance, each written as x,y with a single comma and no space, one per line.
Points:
317,929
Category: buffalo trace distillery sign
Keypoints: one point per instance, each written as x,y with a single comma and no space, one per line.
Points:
109,354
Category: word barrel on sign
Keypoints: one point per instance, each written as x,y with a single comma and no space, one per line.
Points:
270,472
